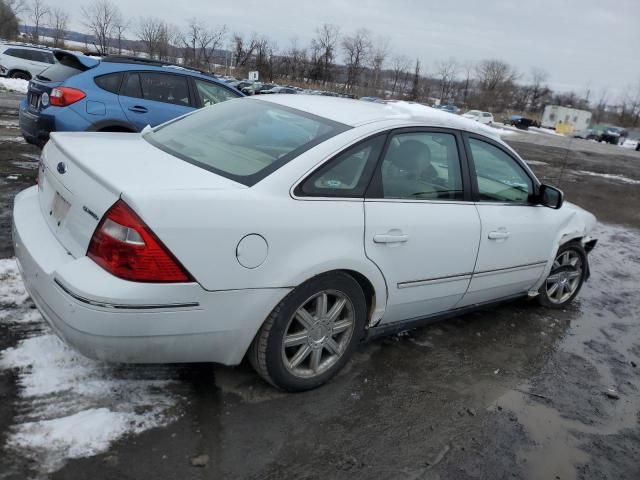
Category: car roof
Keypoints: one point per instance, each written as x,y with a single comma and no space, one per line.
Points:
24,46
355,112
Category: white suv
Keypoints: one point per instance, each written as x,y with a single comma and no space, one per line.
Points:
21,61
478,116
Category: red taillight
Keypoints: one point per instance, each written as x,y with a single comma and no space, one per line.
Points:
64,96
126,247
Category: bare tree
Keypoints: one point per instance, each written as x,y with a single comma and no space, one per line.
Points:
100,18
156,37
379,55
38,12
446,72
243,50
400,65
357,49
58,21
325,45
18,7
495,79
467,68
120,26
201,42
415,87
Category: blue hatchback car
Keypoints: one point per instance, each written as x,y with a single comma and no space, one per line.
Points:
113,94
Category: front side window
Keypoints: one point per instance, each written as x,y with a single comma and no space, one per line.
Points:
243,139
346,175
422,166
162,87
500,177
211,93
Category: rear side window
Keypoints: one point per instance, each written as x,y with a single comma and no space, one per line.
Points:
162,87
131,87
243,139
110,82
348,174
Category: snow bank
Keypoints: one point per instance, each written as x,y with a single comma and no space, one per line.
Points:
14,85
71,406
609,176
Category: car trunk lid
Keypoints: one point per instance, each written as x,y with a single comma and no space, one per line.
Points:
83,174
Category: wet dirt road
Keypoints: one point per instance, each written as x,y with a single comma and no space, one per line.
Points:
513,392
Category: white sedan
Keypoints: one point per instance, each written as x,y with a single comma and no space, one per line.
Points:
480,117
286,228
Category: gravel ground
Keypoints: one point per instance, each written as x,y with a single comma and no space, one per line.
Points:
517,391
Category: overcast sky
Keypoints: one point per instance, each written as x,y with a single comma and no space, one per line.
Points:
580,43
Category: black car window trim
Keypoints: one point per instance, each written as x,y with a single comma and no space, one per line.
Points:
375,189
474,181
368,176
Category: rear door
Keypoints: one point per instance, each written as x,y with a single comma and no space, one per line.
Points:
421,227
517,235
152,98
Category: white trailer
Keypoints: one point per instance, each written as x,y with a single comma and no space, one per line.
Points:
571,118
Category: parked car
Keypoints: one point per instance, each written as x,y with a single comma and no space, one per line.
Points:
480,117
449,108
287,229
523,123
23,61
611,134
112,94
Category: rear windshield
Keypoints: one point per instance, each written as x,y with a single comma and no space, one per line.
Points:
244,139
66,67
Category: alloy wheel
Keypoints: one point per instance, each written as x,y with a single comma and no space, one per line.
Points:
565,277
318,333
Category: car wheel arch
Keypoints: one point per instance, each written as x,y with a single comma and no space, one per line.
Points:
11,73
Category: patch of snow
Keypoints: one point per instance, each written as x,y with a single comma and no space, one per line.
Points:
536,162
12,177
31,156
14,85
12,139
26,165
9,124
71,406
628,143
610,176
12,291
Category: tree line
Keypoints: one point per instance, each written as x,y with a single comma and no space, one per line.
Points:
355,62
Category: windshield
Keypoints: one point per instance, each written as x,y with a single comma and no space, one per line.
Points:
244,139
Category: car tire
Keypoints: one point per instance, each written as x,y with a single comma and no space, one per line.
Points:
21,75
296,350
568,273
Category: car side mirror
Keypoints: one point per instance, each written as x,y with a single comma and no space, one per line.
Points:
551,197
146,129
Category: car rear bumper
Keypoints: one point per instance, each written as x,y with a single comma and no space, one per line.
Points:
111,319
35,128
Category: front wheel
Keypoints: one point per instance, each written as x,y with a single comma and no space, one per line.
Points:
311,334
21,75
567,275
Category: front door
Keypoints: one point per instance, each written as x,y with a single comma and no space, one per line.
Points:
151,98
419,227
517,235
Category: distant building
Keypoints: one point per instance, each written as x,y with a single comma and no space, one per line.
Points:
571,119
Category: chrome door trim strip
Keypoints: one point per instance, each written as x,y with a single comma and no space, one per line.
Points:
469,276
118,306
517,268
434,281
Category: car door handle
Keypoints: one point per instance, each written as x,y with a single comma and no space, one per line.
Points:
138,109
390,238
499,235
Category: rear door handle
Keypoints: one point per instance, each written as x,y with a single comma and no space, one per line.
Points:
138,109
390,238
499,235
